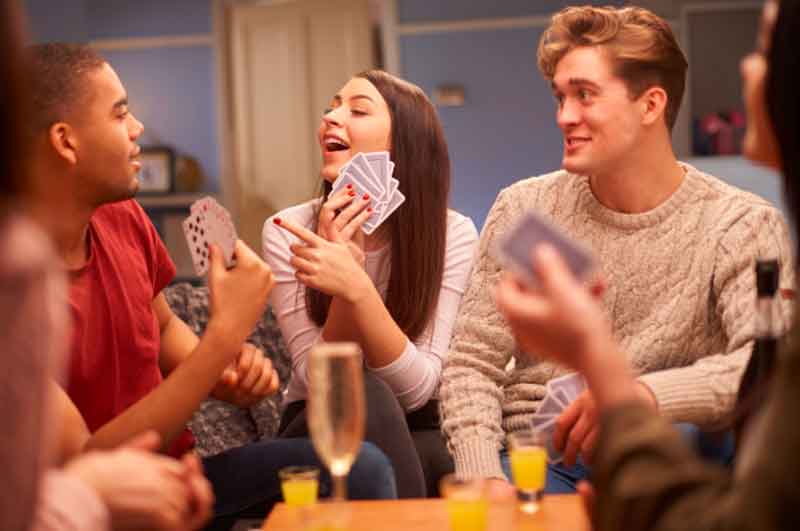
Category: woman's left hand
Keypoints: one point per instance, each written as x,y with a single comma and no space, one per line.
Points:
327,266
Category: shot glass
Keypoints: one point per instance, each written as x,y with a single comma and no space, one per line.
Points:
527,450
467,504
299,485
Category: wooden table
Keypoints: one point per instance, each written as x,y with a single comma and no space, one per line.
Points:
558,513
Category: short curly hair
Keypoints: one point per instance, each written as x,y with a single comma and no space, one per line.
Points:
641,46
58,81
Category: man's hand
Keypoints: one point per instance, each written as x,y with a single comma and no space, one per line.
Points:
237,297
577,427
249,380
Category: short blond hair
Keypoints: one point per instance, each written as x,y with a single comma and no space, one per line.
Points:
640,44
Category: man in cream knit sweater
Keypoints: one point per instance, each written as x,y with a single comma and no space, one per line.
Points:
675,246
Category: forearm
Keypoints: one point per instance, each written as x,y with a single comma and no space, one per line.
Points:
168,407
178,341
366,320
609,378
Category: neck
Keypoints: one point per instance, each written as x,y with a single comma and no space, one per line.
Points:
60,212
642,181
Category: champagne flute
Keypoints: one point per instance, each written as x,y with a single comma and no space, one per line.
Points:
336,408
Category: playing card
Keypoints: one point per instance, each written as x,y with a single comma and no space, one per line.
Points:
380,163
572,384
194,229
538,419
561,397
514,249
371,173
549,406
375,172
221,231
548,428
397,199
209,223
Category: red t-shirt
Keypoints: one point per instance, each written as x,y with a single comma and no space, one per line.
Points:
116,337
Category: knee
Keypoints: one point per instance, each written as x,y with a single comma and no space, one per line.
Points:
381,399
372,475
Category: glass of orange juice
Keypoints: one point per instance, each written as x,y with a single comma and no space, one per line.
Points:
467,504
528,467
299,485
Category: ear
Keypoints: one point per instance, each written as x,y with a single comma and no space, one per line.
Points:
62,138
654,103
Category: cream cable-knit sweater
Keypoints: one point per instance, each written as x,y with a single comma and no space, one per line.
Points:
681,298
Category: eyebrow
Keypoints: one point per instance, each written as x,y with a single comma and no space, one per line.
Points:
577,81
338,98
120,103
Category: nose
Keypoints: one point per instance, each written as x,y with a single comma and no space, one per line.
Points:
568,114
333,117
136,129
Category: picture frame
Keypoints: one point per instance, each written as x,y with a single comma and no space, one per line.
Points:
157,176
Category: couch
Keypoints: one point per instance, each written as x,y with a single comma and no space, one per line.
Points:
217,425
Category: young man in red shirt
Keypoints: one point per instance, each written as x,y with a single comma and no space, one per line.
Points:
134,365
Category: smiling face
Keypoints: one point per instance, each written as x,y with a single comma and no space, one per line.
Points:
358,120
107,132
600,122
759,144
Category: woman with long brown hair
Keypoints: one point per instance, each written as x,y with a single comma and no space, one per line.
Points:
396,291
645,476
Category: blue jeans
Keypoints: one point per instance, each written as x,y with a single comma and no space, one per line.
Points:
714,447
246,484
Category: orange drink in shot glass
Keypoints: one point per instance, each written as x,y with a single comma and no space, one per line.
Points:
467,504
299,485
528,454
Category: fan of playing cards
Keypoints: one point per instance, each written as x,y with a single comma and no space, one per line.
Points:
371,173
209,223
560,393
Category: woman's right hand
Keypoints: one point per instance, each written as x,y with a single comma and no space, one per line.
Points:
144,490
345,227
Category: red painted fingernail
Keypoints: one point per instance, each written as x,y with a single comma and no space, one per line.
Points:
369,209
277,221
351,193
349,186
366,197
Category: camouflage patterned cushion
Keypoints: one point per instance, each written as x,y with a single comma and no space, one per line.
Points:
217,425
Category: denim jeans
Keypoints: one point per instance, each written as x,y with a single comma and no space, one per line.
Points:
246,484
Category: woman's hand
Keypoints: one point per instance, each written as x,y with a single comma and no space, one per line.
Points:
561,320
327,266
345,226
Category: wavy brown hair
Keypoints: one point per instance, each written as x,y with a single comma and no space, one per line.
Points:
641,46
418,229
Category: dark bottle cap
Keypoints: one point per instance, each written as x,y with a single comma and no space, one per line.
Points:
767,273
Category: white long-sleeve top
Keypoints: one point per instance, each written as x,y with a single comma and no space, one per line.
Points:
414,375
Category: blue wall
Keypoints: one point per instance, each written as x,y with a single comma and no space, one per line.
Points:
506,129
171,90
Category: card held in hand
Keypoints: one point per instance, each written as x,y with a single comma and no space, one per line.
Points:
209,223
371,173
514,249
